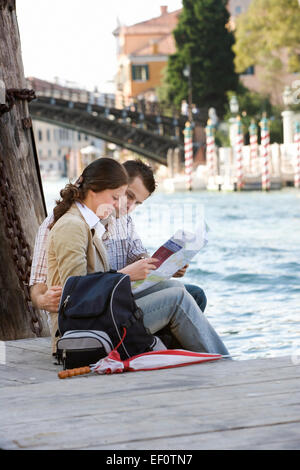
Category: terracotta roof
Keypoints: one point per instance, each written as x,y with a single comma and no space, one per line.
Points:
162,24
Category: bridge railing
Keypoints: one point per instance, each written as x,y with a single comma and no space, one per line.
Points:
104,105
109,100
80,96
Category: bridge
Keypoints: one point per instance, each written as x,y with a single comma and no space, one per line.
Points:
150,135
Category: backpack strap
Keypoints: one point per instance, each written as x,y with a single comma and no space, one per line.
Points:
138,313
136,316
131,321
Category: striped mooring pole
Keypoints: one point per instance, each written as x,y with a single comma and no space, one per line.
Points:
210,149
253,146
297,164
188,154
265,143
239,153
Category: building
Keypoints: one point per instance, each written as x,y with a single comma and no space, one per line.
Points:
256,77
58,147
236,8
143,50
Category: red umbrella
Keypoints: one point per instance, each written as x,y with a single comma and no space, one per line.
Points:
153,360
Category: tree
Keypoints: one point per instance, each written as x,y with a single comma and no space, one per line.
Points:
268,35
203,42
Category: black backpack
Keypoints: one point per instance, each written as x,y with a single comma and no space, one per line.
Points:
96,309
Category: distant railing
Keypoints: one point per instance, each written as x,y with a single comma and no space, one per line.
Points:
110,100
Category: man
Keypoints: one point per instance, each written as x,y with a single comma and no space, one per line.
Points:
126,252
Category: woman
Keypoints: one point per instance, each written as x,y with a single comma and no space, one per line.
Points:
75,247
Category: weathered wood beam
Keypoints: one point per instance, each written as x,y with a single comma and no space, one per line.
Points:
22,208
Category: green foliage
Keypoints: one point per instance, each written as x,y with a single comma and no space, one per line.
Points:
162,92
276,130
263,31
252,105
204,43
222,138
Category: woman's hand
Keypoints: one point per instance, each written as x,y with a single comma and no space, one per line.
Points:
103,211
140,269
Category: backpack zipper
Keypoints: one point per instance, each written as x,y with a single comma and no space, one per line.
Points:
112,314
65,303
73,284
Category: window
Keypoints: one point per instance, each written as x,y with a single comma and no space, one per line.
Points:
249,70
140,72
238,10
48,135
40,135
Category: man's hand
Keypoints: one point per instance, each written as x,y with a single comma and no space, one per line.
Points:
44,298
139,269
50,300
181,272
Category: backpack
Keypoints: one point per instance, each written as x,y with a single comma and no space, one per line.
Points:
98,313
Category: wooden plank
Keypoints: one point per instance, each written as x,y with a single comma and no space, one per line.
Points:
282,436
24,358
226,404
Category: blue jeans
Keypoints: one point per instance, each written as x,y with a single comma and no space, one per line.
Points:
198,295
195,291
168,304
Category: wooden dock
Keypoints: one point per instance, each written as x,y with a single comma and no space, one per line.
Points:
252,404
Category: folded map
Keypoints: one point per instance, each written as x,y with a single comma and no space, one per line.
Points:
173,255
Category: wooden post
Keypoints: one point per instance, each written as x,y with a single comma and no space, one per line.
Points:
239,154
265,143
21,193
188,154
211,161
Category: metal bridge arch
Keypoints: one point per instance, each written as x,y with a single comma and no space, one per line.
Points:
149,136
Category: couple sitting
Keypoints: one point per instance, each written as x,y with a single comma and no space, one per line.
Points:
81,237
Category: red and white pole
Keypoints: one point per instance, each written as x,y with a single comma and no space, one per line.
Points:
253,147
265,143
188,154
297,165
210,150
239,154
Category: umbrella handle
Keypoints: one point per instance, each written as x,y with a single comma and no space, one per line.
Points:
71,372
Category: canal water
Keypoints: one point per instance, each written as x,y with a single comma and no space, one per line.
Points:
249,269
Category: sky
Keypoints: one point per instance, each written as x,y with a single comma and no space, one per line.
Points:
73,40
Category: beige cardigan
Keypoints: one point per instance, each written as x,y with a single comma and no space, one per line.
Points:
73,250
